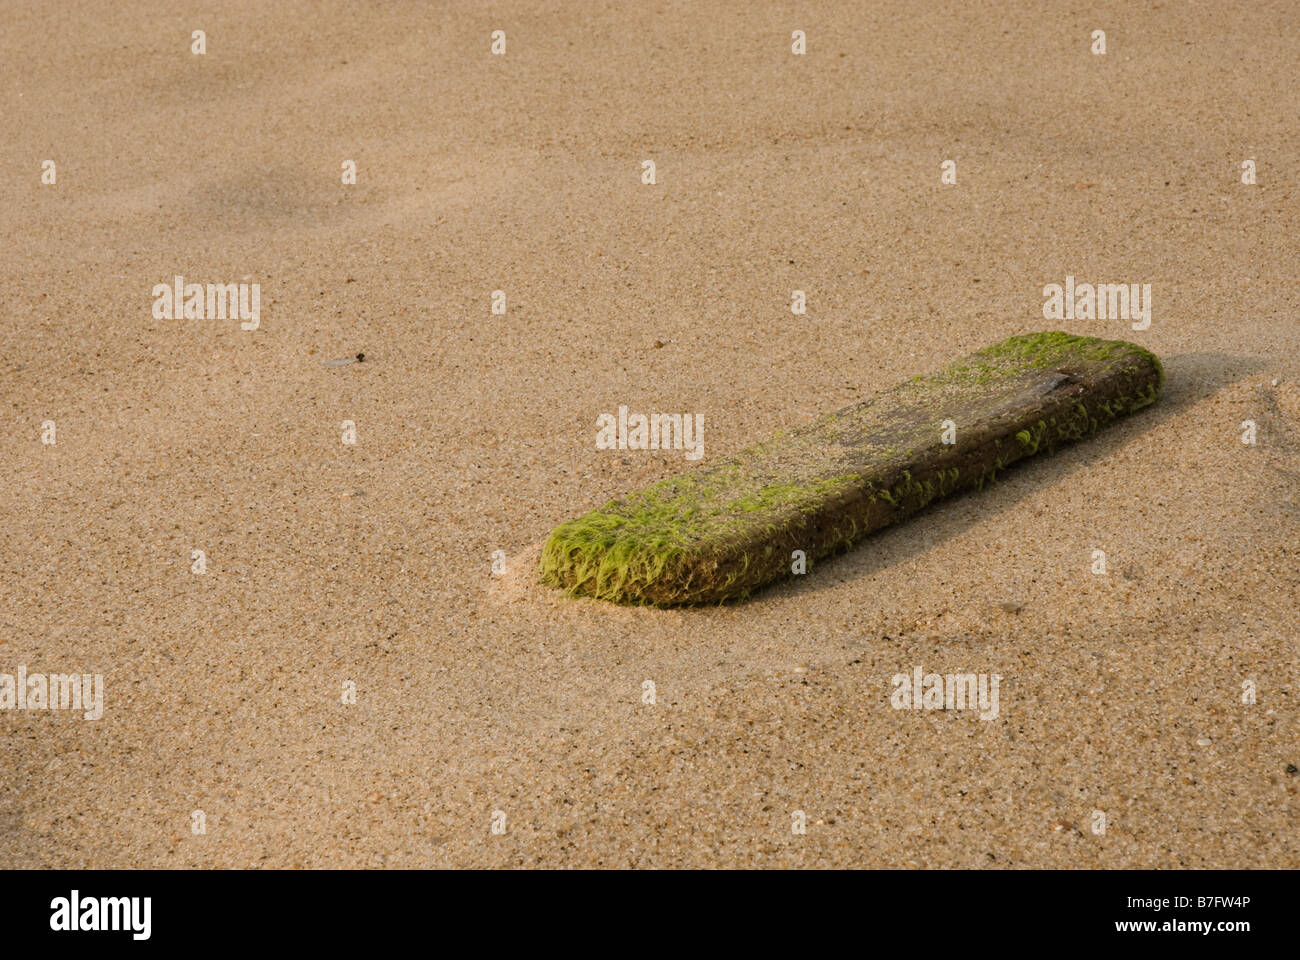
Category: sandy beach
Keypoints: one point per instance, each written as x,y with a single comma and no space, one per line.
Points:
348,683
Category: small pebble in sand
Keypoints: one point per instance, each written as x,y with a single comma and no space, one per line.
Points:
1204,742
1292,769
344,361
1011,606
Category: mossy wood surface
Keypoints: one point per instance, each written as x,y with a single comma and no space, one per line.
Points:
718,532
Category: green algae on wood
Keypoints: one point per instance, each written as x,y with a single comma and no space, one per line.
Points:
718,532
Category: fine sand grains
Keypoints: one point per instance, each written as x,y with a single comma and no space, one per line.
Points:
1124,696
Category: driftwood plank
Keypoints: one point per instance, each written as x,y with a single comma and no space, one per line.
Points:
718,532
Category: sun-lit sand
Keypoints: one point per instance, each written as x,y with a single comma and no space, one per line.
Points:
1121,693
